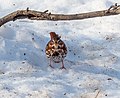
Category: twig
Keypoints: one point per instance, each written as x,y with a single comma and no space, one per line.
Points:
36,15
113,7
45,11
97,94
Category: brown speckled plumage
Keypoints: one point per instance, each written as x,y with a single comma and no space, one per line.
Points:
56,49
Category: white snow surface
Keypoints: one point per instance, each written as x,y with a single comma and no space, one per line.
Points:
93,60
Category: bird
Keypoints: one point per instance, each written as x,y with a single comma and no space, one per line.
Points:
56,50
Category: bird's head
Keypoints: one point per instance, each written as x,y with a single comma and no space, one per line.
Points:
55,38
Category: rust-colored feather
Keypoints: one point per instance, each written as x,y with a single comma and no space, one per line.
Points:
54,35
56,49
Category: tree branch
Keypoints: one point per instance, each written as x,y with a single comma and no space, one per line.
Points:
36,15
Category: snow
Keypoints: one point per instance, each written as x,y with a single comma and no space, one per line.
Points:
93,60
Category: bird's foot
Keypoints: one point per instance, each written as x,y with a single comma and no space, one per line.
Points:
51,66
62,67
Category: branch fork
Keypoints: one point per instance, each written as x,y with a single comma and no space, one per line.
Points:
114,8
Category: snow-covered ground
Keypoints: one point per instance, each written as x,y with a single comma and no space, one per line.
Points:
93,60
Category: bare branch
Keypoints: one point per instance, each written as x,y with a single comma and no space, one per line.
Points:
36,15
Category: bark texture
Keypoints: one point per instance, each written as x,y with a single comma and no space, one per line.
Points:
36,15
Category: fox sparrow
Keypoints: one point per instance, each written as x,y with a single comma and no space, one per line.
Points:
56,50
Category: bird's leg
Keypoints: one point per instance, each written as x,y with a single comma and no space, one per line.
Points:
62,67
50,64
